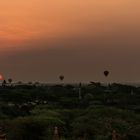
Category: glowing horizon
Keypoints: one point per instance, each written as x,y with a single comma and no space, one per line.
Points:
94,34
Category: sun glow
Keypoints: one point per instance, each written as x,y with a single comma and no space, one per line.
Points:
22,21
1,77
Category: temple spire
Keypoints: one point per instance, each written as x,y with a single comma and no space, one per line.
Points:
56,134
114,135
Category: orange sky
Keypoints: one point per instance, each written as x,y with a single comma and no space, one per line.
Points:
31,19
45,24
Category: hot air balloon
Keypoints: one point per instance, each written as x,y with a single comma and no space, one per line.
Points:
10,80
61,77
106,73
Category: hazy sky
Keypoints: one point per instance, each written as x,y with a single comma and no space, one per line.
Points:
41,39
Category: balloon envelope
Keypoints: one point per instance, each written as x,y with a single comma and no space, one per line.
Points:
106,73
61,77
10,80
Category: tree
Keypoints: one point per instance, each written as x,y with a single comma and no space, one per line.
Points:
101,121
4,83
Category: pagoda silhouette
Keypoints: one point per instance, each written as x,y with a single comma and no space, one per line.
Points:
114,135
56,134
